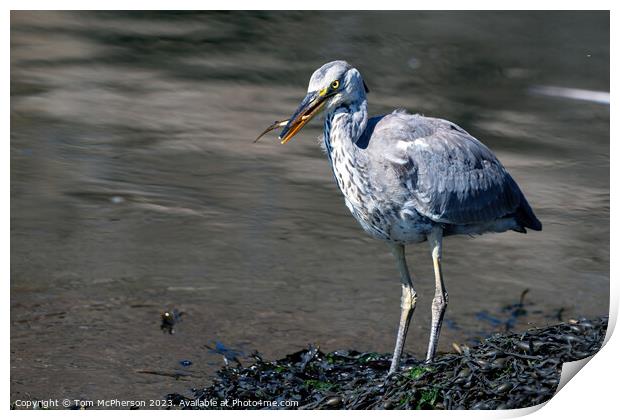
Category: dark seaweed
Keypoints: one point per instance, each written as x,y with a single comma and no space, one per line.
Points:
503,371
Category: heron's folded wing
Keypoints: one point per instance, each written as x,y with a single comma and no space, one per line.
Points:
452,177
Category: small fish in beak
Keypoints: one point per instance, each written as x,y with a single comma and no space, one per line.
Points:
311,105
273,126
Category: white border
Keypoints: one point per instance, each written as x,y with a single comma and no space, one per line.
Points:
308,5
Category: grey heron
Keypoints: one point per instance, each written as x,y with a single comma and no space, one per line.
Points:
407,178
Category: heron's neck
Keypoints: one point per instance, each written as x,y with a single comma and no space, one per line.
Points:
344,126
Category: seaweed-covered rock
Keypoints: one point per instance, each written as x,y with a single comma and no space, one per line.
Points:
503,371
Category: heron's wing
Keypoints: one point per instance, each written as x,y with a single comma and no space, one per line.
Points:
450,176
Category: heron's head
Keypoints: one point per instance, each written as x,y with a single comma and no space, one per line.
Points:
334,84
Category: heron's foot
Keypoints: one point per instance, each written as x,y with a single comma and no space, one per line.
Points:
396,364
392,374
393,370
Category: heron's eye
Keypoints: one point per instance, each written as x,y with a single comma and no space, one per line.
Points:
335,84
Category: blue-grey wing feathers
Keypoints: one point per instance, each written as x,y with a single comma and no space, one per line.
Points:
451,177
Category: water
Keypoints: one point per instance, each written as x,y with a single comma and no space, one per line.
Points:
135,187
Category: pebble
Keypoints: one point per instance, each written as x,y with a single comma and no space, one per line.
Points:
498,363
503,388
481,405
523,345
569,338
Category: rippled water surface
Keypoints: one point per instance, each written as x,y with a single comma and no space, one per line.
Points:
135,187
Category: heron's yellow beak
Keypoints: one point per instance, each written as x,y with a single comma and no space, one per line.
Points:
309,107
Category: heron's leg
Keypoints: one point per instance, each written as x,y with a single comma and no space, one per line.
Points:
440,301
407,303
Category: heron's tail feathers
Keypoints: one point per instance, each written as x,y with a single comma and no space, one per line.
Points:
526,218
